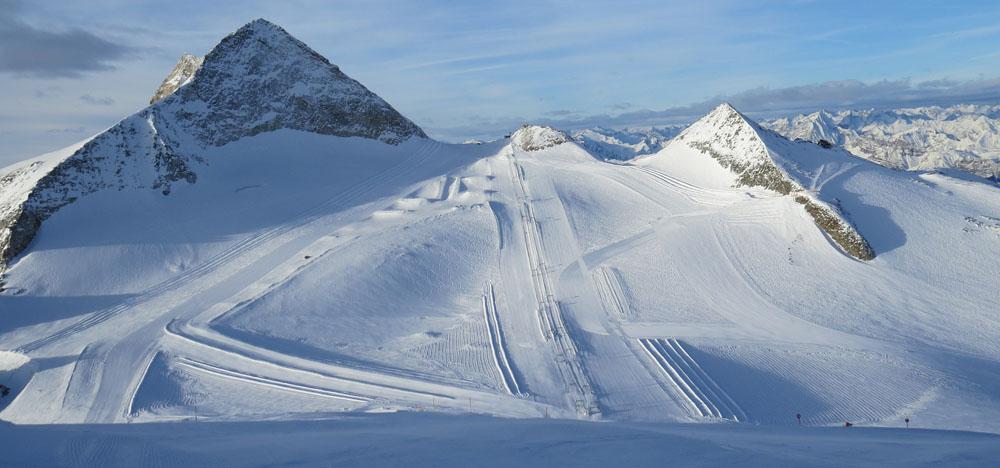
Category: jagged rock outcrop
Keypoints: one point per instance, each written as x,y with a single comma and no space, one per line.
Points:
740,145
181,75
256,80
536,137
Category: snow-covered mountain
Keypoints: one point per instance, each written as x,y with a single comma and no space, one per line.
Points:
256,80
274,241
627,143
964,137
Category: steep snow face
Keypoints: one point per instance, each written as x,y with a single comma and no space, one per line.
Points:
256,80
624,144
536,137
181,75
17,225
964,137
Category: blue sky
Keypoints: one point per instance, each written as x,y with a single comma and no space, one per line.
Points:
478,68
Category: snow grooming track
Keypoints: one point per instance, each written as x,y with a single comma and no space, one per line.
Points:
550,318
497,343
704,396
305,217
366,383
268,382
609,287
698,195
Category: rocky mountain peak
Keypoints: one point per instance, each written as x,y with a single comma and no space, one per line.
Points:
257,79
260,78
181,75
753,154
730,137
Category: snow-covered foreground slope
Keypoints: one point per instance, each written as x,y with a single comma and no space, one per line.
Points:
348,274
964,137
434,440
306,273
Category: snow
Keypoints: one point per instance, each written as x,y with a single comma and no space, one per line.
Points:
428,440
536,137
625,144
315,276
344,274
10,360
962,136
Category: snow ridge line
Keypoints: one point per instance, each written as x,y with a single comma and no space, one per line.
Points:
549,312
497,344
268,382
612,294
704,396
699,195
189,276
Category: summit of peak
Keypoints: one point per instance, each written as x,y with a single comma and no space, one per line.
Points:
261,78
260,37
725,107
724,119
261,27
261,23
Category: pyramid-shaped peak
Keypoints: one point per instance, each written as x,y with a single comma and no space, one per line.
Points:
726,108
725,113
263,24
260,79
724,122
260,27
260,37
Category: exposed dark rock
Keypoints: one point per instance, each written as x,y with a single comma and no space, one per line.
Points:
843,234
256,80
260,79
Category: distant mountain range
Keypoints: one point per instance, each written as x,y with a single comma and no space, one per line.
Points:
963,137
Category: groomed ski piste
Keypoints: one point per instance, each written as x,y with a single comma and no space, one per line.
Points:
309,276
612,292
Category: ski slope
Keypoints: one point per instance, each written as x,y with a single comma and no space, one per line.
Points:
360,276
305,274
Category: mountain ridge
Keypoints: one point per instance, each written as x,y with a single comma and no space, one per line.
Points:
257,79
